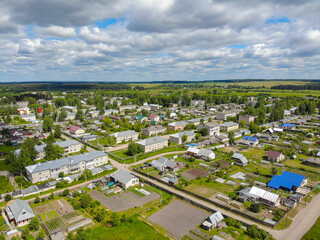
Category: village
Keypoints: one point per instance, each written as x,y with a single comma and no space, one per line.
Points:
191,167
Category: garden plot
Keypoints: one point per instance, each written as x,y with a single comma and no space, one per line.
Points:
124,200
194,173
179,218
58,215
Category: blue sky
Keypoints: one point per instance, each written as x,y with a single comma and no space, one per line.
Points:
176,40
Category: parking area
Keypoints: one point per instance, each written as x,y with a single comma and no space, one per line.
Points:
178,218
123,201
194,173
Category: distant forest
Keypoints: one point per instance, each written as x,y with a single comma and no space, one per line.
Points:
58,86
312,86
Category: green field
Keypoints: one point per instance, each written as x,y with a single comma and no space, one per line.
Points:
5,185
136,230
314,232
128,159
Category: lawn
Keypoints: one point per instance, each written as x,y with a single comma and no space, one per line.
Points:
299,164
5,185
314,231
4,166
136,230
207,189
254,153
5,148
128,159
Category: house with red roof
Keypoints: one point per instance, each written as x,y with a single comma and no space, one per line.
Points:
154,117
76,130
274,156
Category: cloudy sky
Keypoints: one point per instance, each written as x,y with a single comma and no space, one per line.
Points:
152,40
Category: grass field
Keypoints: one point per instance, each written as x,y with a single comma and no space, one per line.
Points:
136,230
5,185
314,232
128,159
4,166
261,84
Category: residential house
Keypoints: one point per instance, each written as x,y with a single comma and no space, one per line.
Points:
287,181
19,212
124,178
258,195
164,163
177,126
127,107
111,112
240,159
178,137
22,104
153,144
213,221
155,106
195,121
154,117
288,126
312,162
247,119
229,126
24,110
124,136
203,153
70,109
71,116
195,103
249,141
224,115
51,169
89,138
28,117
213,128
41,101
274,156
76,130
141,118
154,130
263,136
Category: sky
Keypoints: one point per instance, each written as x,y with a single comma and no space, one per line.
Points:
157,40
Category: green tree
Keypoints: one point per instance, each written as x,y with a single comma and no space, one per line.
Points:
8,197
198,135
231,138
85,200
254,128
8,119
47,124
2,237
101,214
184,138
51,196
66,192
57,131
62,116
79,115
34,224
53,151
203,131
37,199
256,207
133,149
242,123
273,171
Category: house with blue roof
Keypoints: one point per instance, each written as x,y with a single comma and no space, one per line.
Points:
287,181
290,126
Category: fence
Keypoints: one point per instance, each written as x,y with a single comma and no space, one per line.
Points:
206,200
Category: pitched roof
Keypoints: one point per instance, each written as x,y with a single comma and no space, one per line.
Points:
181,134
21,210
124,133
240,157
216,217
122,176
74,128
248,138
179,123
286,180
273,154
65,161
152,140
272,197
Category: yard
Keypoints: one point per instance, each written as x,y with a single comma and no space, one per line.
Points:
136,230
5,185
57,215
127,159
123,201
178,218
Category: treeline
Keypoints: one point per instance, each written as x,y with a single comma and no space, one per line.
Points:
312,86
58,86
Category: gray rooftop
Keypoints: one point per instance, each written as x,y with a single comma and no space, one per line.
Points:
181,134
228,124
124,133
122,176
179,123
21,210
55,164
152,140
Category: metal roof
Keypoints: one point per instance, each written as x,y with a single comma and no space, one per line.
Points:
272,197
124,133
181,134
152,140
286,180
21,210
122,176
228,124
55,164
